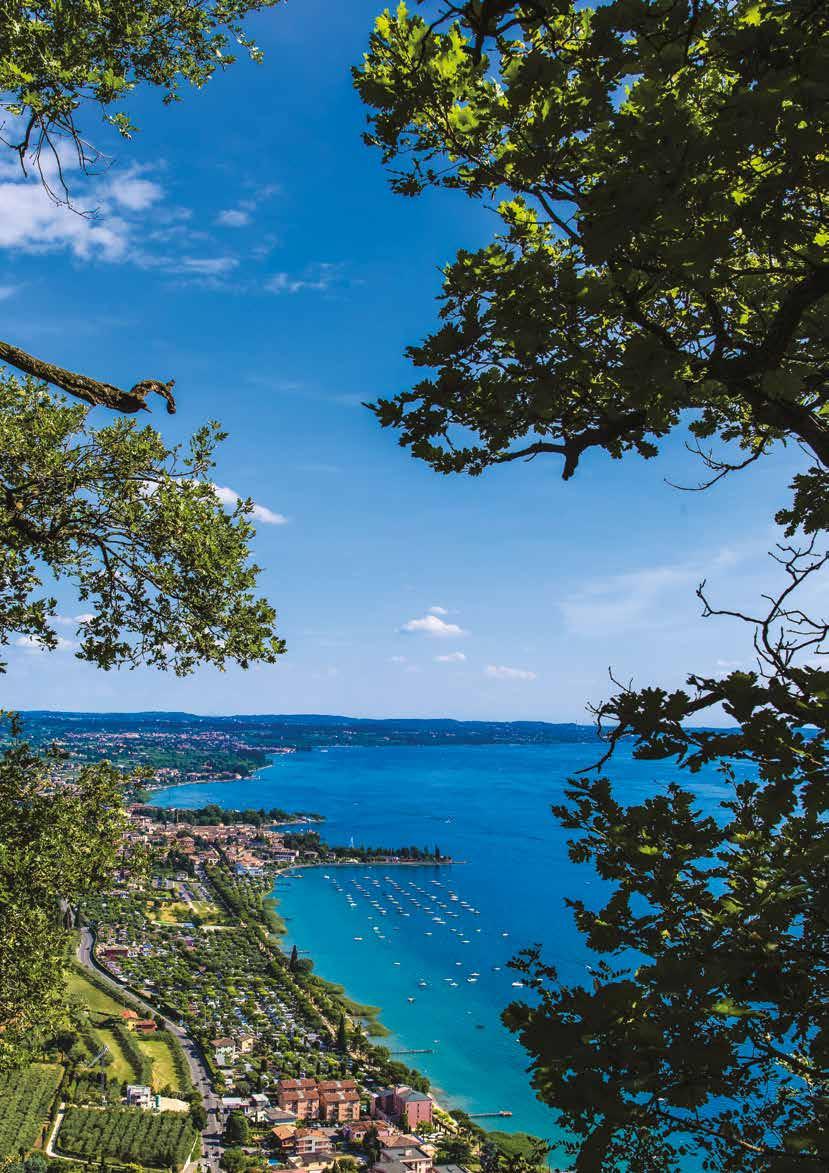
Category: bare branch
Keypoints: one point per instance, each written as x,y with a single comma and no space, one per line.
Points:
90,390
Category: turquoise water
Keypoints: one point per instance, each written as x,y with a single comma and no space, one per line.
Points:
486,805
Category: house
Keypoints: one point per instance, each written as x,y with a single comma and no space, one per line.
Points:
275,1116
299,1096
283,1139
310,1164
312,1142
139,1096
145,1025
234,1104
402,1104
259,1105
245,1044
224,1052
409,1156
354,1131
129,1016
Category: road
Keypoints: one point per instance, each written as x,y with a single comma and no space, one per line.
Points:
212,1133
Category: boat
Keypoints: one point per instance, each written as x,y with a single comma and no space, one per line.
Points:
423,984
520,985
358,938
410,999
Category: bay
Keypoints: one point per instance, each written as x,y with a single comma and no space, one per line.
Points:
488,806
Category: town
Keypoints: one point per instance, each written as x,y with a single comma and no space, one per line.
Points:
197,1041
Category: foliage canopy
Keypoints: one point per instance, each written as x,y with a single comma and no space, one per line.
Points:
133,524
664,246
662,260
57,59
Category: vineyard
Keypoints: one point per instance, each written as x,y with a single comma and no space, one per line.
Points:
25,1100
155,1139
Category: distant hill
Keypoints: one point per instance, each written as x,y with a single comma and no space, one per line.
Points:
305,730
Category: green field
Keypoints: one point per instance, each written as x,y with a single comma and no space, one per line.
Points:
91,996
174,912
160,1052
25,1100
120,1067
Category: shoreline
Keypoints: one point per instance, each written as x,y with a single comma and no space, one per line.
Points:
437,1093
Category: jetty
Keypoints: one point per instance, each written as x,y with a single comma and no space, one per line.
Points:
415,1051
488,1115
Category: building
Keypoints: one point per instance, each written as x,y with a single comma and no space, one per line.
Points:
356,1130
139,1096
339,1101
402,1104
299,1096
406,1153
312,1142
224,1052
258,1108
283,1139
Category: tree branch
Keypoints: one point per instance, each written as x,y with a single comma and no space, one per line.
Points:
90,390
572,447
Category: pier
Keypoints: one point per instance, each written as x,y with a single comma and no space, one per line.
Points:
415,1051
488,1115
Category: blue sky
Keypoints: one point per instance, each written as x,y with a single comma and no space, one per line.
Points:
247,244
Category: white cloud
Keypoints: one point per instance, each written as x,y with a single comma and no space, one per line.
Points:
500,672
233,218
434,626
206,266
32,222
438,611
451,658
397,660
34,647
72,620
132,191
635,599
317,279
7,291
231,498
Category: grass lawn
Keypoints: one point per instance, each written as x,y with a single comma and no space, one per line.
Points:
164,1068
173,912
120,1067
91,996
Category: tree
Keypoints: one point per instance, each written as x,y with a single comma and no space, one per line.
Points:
371,1145
52,852
237,1129
663,261
664,244
293,962
198,1116
55,63
454,1150
342,1036
234,1160
164,571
